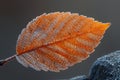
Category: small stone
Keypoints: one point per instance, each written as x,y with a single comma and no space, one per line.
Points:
106,67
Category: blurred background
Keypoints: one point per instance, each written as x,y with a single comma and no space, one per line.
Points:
15,14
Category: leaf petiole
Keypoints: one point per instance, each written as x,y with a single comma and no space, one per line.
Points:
4,61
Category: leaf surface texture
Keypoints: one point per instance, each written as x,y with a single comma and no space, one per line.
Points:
58,40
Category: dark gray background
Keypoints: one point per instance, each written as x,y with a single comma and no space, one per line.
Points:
15,14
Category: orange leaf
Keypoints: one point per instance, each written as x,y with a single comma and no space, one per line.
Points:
57,40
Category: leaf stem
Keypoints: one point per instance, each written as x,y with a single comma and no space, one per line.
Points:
4,61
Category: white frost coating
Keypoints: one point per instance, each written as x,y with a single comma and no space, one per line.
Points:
57,30
21,61
74,47
92,36
95,37
27,62
38,34
53,55
61,58
82,41
52,24
70,26
28,25
31,60
63,51
42,36
54,48
80,24
36,58
58,58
